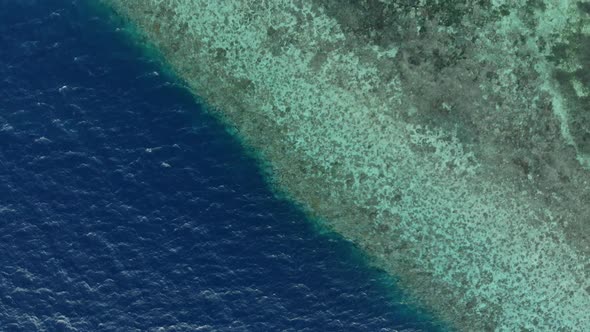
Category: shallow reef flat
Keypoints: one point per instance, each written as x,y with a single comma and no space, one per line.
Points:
448,139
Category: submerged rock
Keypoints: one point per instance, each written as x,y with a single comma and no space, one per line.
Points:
450,140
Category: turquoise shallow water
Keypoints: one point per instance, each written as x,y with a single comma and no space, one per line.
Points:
443,148
123,207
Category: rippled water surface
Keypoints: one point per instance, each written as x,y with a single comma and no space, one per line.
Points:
123,207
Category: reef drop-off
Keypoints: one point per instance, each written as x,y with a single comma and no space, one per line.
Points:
450,141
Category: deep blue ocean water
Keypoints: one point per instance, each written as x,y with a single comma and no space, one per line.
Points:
124,207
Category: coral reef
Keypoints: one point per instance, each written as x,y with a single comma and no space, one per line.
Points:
449,140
